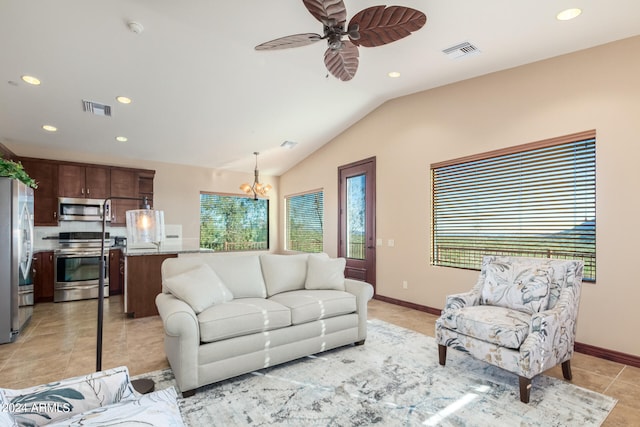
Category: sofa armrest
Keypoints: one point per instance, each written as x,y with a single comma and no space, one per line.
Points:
182,339
178,318
363,292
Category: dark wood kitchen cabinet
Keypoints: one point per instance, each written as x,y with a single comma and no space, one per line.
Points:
89,182
43,276
45,200
116,271
124,183
69,179
143,283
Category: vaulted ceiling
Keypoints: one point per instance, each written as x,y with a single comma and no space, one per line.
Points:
201,95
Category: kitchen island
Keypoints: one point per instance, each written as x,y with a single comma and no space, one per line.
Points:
143,278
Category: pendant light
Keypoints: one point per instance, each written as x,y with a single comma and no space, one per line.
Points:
256,189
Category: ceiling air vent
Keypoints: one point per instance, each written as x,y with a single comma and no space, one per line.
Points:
96,108
460,50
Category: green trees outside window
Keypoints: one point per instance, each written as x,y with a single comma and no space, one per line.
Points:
233,223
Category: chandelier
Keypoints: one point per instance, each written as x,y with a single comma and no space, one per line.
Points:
256,188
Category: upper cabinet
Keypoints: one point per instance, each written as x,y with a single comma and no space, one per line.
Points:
66,179
87,182
45,203
124,183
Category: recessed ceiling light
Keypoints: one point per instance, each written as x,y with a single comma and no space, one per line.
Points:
123,100
122,138
49,128
31,80
394,74
288,144
568,14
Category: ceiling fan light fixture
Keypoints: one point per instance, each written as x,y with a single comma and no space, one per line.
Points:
335,42
256,189
371,27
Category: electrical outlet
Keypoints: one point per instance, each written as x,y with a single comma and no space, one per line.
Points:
391,243
405,284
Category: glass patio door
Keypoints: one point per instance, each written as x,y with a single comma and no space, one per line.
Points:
357,219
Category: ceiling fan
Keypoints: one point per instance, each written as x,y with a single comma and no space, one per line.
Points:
373,26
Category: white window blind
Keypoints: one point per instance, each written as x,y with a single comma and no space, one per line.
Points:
304,222
533,200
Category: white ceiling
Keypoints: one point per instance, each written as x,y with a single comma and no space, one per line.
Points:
203,96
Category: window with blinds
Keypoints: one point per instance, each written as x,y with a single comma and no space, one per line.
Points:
233,223
304,222
534,200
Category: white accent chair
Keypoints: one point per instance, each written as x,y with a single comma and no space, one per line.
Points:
520,316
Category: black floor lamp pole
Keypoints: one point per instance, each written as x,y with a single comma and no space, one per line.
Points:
101,275
142,385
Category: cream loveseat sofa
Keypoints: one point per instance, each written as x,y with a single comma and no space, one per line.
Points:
225,315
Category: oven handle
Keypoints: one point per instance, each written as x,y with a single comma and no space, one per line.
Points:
71,286
76,254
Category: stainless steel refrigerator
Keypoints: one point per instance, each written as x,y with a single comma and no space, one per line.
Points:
16,255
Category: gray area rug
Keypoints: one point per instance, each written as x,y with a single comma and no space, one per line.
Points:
392,380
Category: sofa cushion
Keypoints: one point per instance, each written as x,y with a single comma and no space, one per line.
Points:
496,325
310,305
240,273
242,317
71,396
325,273
200,288
283,272
520,286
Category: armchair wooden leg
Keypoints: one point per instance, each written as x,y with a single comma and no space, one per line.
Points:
442,354
566,370
525,389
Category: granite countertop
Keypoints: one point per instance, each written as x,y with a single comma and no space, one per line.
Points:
143,251
163,250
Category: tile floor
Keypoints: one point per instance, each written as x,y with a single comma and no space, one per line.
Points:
60,342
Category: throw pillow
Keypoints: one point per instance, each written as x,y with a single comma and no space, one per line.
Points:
283,273
519,286
200,288
325,273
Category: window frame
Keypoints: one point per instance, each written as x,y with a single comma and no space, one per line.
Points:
287,239
472,261
238,196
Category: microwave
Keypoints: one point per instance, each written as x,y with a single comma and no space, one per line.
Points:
72,209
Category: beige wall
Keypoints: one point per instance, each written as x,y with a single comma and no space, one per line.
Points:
592,89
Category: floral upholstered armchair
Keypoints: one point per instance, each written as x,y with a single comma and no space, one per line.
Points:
520,316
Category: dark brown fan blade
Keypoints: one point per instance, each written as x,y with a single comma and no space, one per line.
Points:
381,25
342,63
327,10
286,42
